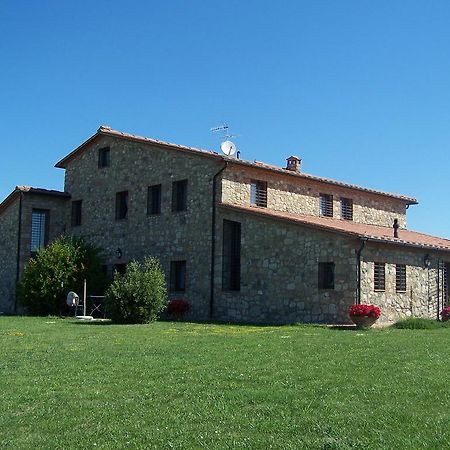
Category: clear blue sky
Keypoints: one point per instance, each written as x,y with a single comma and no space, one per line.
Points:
359,89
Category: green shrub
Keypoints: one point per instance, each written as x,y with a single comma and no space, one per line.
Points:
57,269
139,295
419,323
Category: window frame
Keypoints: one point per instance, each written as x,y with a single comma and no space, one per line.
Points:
326,205
346,208
122,200
179,195
177,282
76,213
104,157
401,279
46,231
231,255
258,193
154,208
326,274
379,276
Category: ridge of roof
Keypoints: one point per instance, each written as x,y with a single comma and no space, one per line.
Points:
360,230
108,131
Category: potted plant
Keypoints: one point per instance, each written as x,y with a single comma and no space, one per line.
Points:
178,308
445,314
364,316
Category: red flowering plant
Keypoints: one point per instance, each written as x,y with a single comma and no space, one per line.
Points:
445,314
178,307
372,311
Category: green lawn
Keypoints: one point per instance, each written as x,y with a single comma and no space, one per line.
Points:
67,385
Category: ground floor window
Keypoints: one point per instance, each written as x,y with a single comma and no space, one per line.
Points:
231,256
39,229
326,275
177,276
379,276
400,278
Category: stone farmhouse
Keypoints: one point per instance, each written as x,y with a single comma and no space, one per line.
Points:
241,241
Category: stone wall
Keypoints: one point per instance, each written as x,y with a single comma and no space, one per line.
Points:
279,273
170,236
420,298
9,228
301,196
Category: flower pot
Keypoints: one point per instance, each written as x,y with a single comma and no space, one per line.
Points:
363,321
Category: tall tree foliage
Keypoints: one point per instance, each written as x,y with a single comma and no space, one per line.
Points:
57,269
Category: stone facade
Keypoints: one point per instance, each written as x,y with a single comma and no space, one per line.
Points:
301,195
280,258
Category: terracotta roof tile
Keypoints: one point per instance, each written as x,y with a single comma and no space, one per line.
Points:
360,230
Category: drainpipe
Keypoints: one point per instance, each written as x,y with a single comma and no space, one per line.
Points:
213,239
358,271
19,238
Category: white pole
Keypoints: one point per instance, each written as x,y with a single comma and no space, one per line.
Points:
84,295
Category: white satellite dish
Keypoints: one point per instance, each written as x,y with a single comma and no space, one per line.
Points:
228,148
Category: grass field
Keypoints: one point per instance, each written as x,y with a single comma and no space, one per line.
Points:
67,385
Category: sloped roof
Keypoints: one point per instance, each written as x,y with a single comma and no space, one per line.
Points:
107,131
30,190
350,228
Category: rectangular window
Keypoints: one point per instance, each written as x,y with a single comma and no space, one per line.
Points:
258,193
231,256
326,205
104,157
76,212
179,195
346,208
379,276
121,205
154,200
400,278
39,229
177,276
326,275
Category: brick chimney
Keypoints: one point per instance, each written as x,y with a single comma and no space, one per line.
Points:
293,163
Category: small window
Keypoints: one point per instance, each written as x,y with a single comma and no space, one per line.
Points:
104,157
258,193
76,212
177,276
346,208
379,276
120,268
231,256
326,275
154,200
326,205
39,229
400,278
179,195
121,205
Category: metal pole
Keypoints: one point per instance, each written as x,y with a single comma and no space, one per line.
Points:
84,298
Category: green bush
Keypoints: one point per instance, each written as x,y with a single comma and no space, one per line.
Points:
139,295
57,269
419,323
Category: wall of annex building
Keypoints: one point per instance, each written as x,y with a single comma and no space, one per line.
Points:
279,273
9,228
423,284
301,196
170,236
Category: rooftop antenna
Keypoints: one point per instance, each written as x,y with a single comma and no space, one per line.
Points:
227,147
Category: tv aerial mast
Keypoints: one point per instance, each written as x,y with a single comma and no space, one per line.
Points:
227,146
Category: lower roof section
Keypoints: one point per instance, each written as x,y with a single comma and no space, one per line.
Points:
350,228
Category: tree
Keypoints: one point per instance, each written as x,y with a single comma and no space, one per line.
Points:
139,295
57,269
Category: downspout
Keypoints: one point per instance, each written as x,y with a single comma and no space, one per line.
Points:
358,270
19,238
213,239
